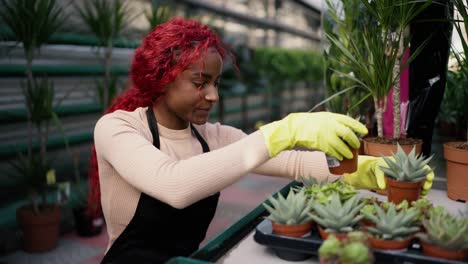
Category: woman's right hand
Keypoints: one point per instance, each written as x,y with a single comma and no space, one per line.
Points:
328,132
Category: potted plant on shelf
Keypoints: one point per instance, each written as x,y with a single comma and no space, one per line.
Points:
336,217
39,219
290,216
353,250
393,229
405,175
456,153
446,236
375,58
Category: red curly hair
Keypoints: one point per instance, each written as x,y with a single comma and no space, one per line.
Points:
164,53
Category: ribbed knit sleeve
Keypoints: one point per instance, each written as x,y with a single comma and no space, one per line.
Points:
122,143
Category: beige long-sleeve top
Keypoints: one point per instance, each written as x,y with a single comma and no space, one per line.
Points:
179,173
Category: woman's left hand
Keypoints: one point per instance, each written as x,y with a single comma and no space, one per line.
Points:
370,176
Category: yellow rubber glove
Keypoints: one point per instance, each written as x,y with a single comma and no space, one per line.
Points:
328,132
370,176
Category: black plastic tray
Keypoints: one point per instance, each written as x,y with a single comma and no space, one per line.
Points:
297,249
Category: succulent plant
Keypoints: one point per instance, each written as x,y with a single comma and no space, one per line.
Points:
423,206
355,253
392,224
352,250
409,168
294,209
330,248
336,216
446,231
322,191
404,205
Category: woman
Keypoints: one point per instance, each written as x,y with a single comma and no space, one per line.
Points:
161,165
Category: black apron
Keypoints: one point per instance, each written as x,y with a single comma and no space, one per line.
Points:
158,231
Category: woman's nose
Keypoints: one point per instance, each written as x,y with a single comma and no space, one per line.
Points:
211,93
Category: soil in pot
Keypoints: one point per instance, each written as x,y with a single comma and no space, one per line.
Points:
40,231
377,146
377,243
324,235
456,154
438,252
345,166
399,191
291,230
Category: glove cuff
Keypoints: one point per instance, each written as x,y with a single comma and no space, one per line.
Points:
276,137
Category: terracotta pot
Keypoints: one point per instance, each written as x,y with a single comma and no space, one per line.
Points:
324,235
361,147
346,165
41,231
377,243
377,150
366,223
438,252
399,191
291,230
457,168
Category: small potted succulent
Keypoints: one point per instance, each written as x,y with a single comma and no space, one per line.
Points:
337,217
290,216
405,175
393,229
446,236
353,250
322,191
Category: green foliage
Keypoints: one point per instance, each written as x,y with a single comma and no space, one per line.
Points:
33,22
322,192
105,19
294,209
342,22
112,89
338,217
353,250
451,108
409,168
372,51
32,172
279,65
446,231
39,97
392,224
161,11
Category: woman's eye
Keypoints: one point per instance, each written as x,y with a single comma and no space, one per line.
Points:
198,85
216,84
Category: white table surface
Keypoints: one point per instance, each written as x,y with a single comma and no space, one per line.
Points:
248,251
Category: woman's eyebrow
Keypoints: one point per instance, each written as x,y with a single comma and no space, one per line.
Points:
204,75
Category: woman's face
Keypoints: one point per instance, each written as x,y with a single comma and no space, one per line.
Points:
191,96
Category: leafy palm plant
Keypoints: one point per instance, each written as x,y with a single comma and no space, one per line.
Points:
341,21
374,54
107,21
33,22
161,11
